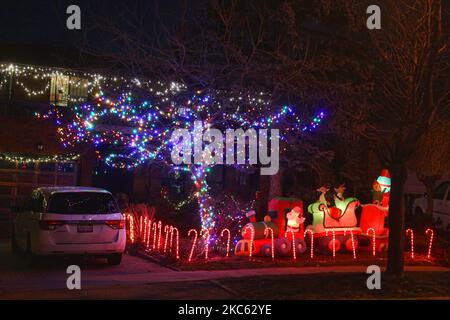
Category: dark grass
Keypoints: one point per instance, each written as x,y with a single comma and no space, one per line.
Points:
414,285
233,262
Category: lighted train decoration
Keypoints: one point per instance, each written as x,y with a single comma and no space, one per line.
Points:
255,234
334,228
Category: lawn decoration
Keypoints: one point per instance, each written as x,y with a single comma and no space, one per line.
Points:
284,214
410,232
353,242
194,242
228,239
375,216
431,232
177,243
332,221
311,246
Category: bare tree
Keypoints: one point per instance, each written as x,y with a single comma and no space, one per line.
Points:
432,158
233,46
387,86
405,67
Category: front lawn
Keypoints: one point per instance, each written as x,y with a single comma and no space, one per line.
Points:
341,286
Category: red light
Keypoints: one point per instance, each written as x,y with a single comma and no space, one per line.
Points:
50,224
115,224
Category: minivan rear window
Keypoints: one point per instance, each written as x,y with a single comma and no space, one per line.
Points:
82,203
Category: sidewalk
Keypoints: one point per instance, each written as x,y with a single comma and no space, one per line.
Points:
179,276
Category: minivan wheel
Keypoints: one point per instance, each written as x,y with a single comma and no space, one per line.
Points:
114,259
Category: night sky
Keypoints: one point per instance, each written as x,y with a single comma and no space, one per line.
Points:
35,22
41,24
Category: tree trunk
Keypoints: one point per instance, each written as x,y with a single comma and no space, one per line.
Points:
396,220
261,203
276,188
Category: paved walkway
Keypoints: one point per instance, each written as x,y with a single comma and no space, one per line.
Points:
177,276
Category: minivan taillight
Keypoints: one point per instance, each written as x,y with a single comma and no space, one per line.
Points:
50,224
115,224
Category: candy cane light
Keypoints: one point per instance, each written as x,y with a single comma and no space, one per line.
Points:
170,238
177,243
334,241
228,239
155,227
206,235
311,233
431,232
141,225
166,238
410,232
194,242
149,233
268,230
132,230
144,229
252,238
159,234
353,242
372,230
294,253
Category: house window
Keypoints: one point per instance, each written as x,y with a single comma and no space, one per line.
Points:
59,89
78,89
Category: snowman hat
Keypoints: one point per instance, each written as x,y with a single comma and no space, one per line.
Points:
385,180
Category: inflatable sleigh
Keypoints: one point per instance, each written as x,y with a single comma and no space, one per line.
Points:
336,224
